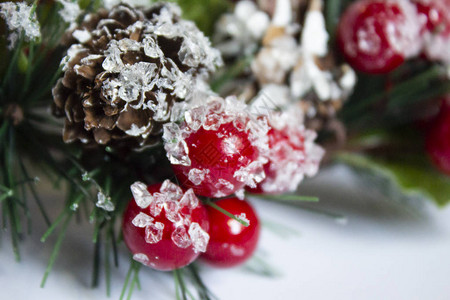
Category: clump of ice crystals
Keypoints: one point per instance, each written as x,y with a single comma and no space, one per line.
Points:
210,114
142,258
69,12
242,29
19,19
178,206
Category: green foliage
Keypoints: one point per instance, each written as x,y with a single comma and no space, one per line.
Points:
402,180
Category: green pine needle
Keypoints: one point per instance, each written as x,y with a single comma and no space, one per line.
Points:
215,206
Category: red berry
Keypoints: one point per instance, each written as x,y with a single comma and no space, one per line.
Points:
231,243
217,149
435,28
375,36
164,227
292,155
438,139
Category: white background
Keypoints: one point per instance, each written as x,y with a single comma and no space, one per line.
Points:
383,252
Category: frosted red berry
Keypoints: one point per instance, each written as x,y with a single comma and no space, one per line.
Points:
292,155
218,149
434,18
231,243
164,227
375,36
438,139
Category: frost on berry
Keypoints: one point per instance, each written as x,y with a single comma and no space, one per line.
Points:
142,220
218,138
199,237
141,194
292,154
243,217
157,205
180,237
154,232
142,258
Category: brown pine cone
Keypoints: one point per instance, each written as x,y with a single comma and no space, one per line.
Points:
125,71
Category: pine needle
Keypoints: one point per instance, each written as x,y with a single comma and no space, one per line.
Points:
56,249
215,206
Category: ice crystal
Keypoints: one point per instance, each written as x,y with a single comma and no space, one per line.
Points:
199,237
196,176
142,258
173,191
142,220
189,200
251,174
104,202
158,203
141,195
172,211
195,117
19,19
180,237
154,232
223,187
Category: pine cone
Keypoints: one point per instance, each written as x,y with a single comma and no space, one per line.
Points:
126,70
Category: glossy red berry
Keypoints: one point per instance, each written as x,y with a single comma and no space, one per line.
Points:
292,155
164,227
434,17
375,36
217,150
438,139
231,243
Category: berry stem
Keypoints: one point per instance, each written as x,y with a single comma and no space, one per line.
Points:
208,201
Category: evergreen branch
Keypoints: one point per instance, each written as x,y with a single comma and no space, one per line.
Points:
134,268
179,282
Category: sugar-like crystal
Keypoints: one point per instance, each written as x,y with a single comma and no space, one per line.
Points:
179,154
172,211
180,237
212,122
141,195
173,191
126,45
240,121
113,62
199,237
251,174
196,176
151,48
189,199
142,220
158,203
171,132
224,187
154,232
195,117
104,202
142,258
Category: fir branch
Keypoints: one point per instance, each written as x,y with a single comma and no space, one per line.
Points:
203,291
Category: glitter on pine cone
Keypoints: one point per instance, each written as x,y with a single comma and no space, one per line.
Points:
125,71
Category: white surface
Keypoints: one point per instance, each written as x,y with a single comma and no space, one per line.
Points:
381,253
